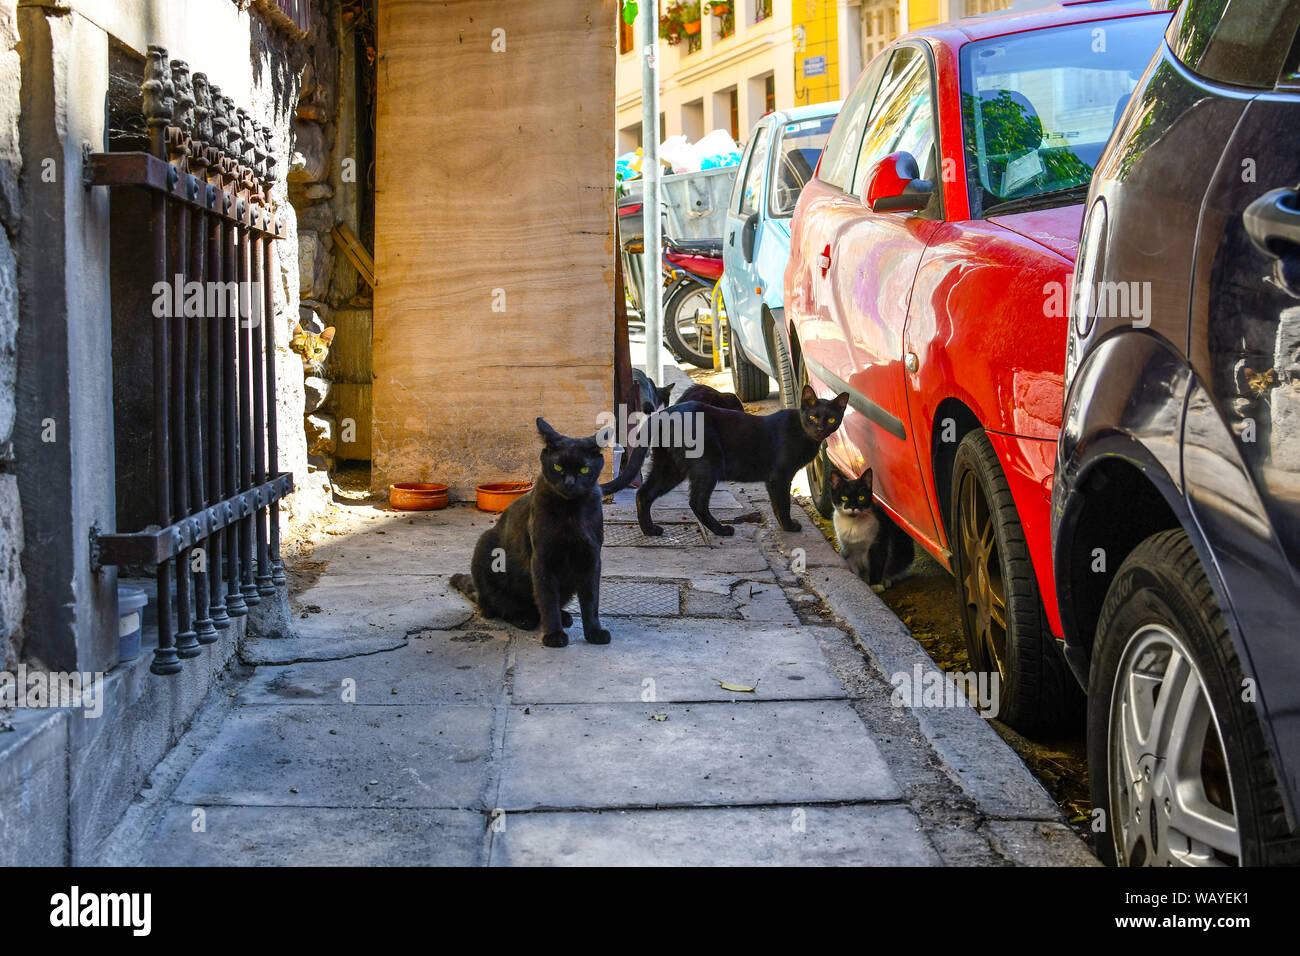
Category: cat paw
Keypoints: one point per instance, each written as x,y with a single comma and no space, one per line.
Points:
725,531
653,531
599,637
556,639
793,526
566,619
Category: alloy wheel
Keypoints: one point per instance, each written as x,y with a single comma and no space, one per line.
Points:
983,581
1170,787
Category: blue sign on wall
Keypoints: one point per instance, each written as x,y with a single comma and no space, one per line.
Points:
814,66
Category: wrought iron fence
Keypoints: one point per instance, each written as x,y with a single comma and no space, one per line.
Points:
215,543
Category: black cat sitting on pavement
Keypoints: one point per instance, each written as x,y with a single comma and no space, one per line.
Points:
731,446
546,547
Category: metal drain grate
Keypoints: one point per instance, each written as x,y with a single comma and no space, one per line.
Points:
636,599
674,536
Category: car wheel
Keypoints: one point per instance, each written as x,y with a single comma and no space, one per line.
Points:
683,331
748,381
1177,758
782,368
1002,611
819,469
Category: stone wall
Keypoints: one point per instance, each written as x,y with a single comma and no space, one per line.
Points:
12,587
329,185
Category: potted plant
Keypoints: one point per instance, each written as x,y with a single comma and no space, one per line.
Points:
724,10
691,19
670,24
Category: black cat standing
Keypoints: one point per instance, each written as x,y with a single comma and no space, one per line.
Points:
546,547
735,446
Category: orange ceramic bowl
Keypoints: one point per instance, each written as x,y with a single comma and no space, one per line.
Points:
417,496
497,495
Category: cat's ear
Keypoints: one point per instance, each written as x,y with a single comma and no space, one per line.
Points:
836,479
327,336
809,397
664,393
866,480
547,432
841,400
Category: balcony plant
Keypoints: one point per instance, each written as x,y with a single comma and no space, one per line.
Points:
725,11
671,27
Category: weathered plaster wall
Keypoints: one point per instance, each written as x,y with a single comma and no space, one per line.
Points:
13,590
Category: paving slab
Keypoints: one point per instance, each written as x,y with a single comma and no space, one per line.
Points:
728,561
447,667
971,751
286,755
618,755
361,614
763,601
315,836
863,835
419,543
1039,843
676,662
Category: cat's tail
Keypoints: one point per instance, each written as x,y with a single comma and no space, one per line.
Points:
631,468
465,585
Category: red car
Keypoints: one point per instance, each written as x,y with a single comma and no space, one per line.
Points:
929,275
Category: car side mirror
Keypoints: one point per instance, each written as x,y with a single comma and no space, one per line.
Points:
895,185
747,236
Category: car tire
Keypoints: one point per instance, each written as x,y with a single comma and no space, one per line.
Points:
1161,633
1001,607
782,368
675,316
748,381
819,469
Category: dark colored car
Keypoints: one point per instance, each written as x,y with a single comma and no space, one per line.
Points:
1176,498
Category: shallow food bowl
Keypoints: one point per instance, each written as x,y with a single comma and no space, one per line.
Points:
497,495
417,496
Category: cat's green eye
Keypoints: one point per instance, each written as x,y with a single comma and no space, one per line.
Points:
584,469
557,467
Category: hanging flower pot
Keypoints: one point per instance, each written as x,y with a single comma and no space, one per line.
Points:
721,9
692,27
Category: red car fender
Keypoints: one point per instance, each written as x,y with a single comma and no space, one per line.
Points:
1028,464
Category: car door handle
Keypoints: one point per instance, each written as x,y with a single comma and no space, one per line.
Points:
1273,223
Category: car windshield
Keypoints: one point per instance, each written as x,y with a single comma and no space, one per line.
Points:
1038,107
796,158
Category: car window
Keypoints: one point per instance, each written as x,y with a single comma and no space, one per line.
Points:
902,119
842,147
1244,44
751,195
795,159
738,184
1038,107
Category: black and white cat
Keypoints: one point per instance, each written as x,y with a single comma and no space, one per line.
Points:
877,550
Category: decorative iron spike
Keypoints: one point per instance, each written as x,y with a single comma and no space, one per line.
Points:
234,140
202,112
183,105
157,89
220,121
268,146
259,150
248,152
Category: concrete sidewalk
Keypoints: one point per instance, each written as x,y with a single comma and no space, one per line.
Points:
399,727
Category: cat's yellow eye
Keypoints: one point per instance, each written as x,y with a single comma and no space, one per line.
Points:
584,469
557,467
830,421
812,418
862,497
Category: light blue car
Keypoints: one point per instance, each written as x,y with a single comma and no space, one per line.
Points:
779,159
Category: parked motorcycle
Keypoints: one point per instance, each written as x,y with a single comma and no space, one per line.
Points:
691,268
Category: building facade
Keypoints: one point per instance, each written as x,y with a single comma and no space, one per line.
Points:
758,55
